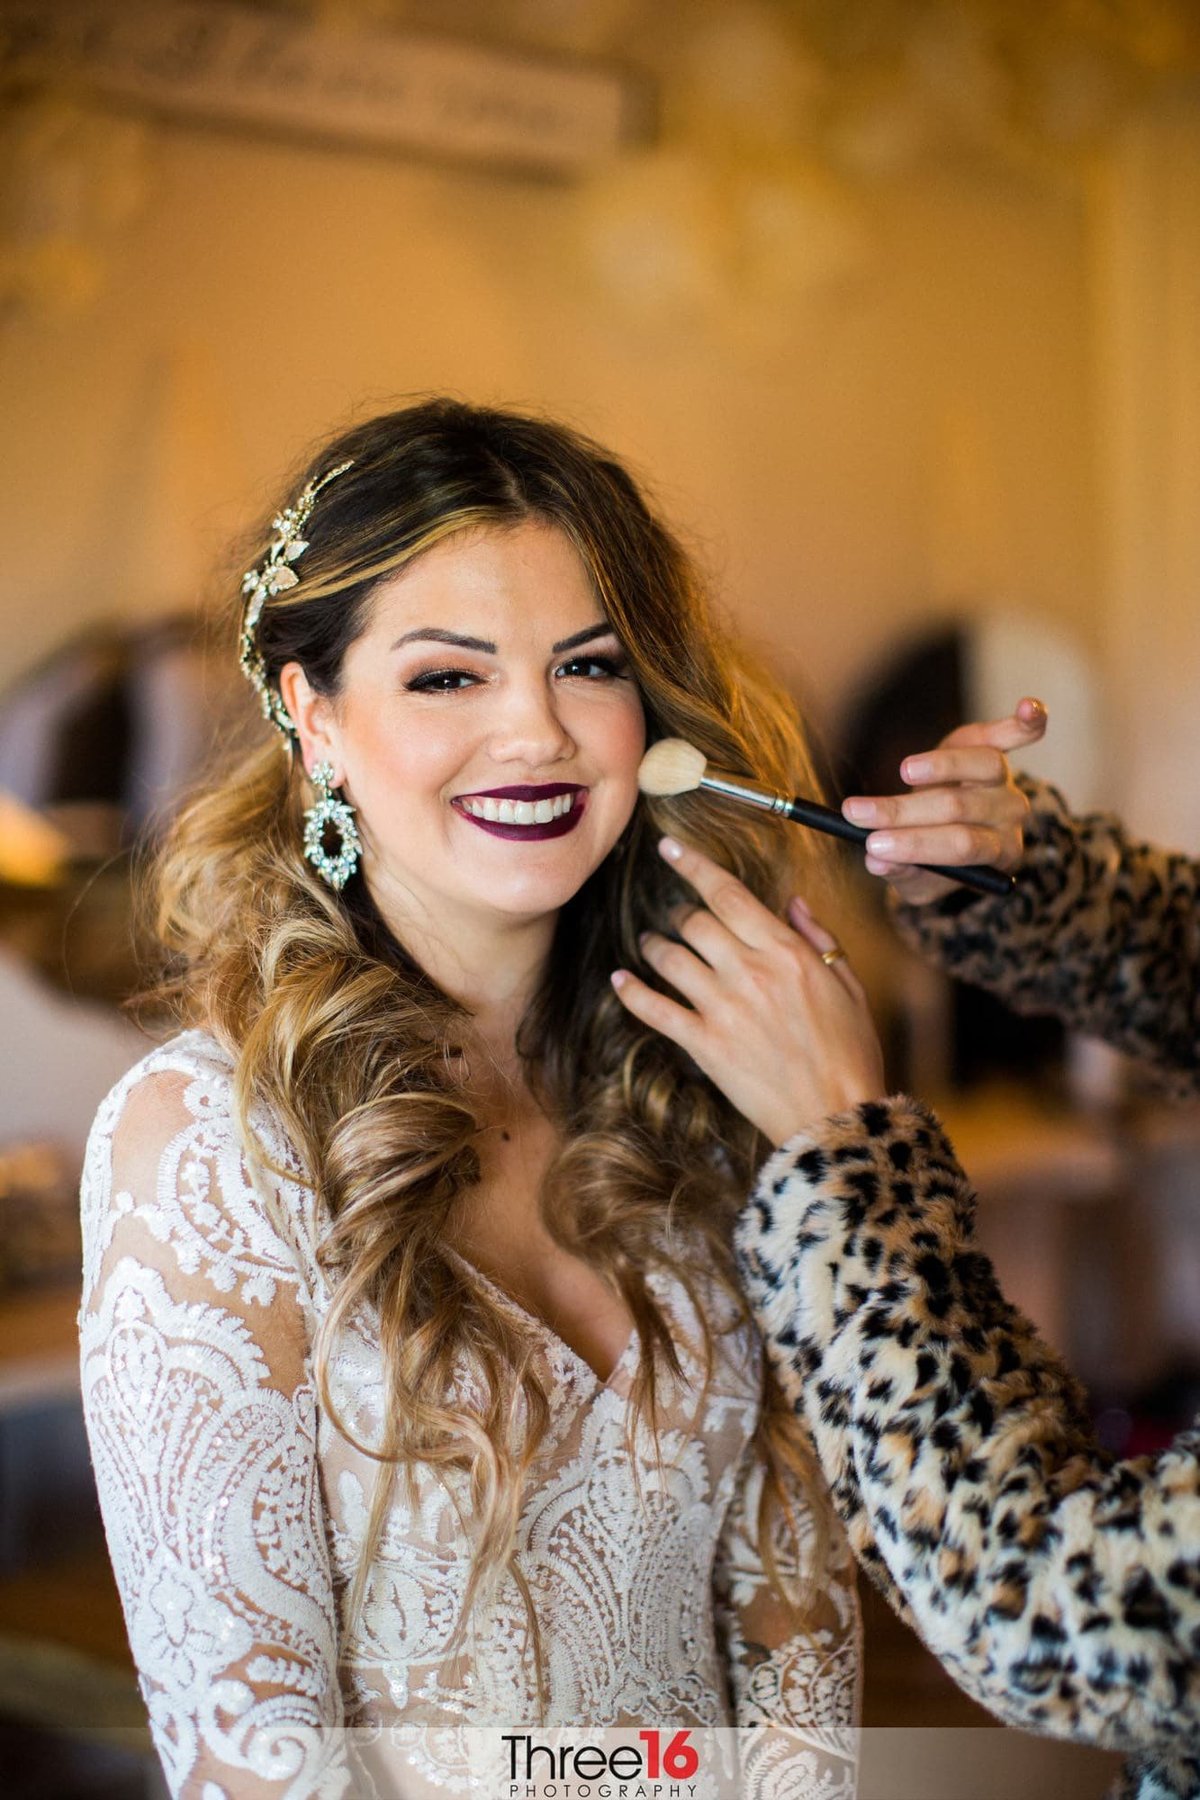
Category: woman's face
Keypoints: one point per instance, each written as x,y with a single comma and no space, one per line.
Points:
487,730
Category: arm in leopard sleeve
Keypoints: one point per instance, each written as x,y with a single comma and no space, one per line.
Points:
1059,1588
1100,930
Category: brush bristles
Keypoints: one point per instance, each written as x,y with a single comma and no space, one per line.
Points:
672,766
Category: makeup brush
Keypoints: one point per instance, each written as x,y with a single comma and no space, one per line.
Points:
673,766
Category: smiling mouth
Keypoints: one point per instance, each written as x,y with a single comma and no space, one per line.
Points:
525,812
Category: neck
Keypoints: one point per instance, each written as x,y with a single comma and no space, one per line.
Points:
491,967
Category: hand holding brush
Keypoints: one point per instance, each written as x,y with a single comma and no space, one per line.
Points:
963,804
674,767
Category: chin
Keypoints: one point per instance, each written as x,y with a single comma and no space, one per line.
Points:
532,902
531,897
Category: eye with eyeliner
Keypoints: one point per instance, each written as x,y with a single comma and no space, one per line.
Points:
614,667
434,681
452,680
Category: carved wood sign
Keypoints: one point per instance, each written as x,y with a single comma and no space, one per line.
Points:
215,62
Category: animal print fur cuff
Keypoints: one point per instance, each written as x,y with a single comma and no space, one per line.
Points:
975,936
856,1255
1101,930
1057,1587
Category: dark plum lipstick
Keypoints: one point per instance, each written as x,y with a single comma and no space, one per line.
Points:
509,799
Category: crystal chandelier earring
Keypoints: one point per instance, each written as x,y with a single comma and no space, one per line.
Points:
327,811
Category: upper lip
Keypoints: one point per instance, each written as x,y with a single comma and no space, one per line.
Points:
549,790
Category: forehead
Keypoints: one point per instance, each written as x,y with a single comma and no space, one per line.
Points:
520,578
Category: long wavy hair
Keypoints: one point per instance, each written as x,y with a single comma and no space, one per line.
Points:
338,1031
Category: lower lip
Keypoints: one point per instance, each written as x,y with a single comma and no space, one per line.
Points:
529,834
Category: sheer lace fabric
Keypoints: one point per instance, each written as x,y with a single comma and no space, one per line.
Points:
235,1510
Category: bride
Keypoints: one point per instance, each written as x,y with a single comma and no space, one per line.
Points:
421,1394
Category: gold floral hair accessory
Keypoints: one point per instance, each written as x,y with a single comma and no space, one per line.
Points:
275,575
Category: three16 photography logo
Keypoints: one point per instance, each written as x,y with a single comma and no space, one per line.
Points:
648,1765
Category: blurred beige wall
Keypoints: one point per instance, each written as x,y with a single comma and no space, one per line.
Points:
945,426
918,434
1146,287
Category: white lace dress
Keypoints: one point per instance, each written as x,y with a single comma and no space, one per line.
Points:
235,1510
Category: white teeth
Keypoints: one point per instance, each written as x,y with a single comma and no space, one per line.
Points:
519,812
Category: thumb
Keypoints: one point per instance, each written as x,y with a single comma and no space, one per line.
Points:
1026,724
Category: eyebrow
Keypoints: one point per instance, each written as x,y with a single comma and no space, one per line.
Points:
436,635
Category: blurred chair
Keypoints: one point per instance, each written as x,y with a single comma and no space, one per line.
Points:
106,734
96,747
61,1056
924,686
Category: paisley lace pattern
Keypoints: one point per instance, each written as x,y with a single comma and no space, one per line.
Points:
235,1511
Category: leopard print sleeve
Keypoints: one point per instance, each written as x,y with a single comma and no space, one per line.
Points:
1059,1588
1101,930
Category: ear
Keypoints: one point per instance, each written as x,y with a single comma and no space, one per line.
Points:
313,716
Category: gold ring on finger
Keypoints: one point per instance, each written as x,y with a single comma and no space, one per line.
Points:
829,957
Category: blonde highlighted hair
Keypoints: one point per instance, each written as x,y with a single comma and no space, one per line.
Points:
340,1033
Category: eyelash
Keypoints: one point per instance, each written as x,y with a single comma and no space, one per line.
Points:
426,682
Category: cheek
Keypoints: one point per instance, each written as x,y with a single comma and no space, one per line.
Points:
396,766
625,736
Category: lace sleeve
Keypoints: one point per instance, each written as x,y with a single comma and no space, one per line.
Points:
794,1672
202,1422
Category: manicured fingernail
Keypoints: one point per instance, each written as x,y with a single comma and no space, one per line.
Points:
881,843
618,978
914,768
800,903
860,811
670,848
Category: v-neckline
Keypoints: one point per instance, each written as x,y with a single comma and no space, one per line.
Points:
545,1330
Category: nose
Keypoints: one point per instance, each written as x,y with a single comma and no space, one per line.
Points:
530,730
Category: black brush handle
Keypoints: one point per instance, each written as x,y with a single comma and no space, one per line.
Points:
980,876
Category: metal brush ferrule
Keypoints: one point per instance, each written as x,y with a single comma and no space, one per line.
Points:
745,790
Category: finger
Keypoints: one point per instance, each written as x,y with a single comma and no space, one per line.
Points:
809,926
679,965
659,1011
822,940
728,899
890,871
980,764
997,807
706,935
912,885
1025,725
938,844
